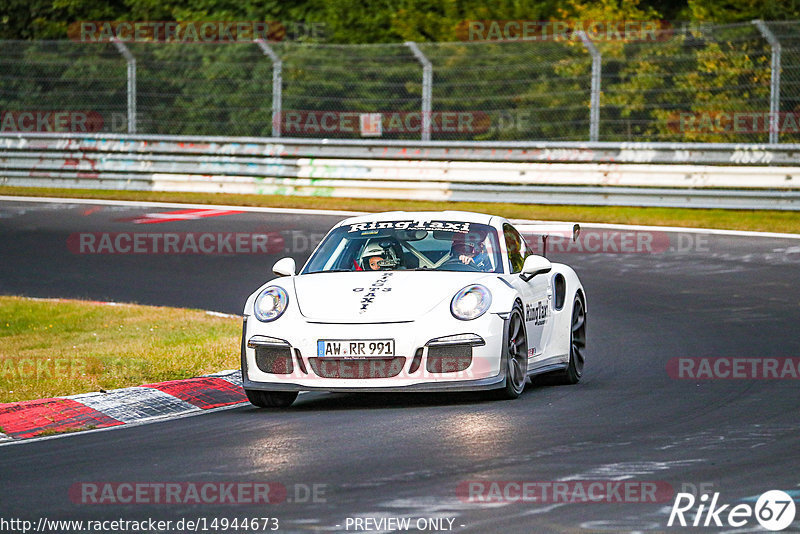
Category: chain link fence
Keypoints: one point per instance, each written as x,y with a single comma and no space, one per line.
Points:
736,83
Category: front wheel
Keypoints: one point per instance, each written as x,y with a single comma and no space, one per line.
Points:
270,399
515,356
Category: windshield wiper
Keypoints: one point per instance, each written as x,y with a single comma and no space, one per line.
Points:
332,271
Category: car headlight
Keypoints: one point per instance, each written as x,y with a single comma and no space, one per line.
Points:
471,302
270,304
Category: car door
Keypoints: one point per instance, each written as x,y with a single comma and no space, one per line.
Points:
536,294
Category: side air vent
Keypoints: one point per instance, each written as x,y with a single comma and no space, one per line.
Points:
560,290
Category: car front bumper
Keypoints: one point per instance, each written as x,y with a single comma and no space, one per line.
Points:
413,344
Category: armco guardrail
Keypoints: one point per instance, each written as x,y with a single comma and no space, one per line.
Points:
647,174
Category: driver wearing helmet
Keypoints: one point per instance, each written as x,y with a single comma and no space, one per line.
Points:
472,252
374,257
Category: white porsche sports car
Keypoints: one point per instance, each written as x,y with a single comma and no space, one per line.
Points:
414,301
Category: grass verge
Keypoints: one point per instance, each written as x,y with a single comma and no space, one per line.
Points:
756,220
64,347
68,430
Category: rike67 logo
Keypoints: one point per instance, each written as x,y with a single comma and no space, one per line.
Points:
774,510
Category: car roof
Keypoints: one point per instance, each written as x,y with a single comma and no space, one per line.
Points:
449,215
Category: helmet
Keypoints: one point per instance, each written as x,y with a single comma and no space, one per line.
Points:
467,244
388,258
465,247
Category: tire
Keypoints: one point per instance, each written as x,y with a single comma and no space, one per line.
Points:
515,355
271,399
577,344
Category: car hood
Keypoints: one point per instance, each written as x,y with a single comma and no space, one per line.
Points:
376,297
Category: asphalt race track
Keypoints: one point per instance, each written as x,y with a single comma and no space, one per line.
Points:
410,456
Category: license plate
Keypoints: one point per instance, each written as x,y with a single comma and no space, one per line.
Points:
355,348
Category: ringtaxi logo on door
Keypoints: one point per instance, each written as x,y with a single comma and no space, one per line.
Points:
774,510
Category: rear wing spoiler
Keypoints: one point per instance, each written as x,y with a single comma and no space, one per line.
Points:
545,230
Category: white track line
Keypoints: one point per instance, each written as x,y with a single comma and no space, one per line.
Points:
144,204
711,231
301,211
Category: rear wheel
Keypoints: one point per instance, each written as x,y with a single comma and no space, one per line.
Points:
516,356
572,374
271,399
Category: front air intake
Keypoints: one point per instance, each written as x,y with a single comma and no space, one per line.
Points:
362,368
274,360
449,358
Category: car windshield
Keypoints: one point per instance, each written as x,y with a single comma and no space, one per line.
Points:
408,245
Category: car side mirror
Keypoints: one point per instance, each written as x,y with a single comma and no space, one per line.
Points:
534,265
284,267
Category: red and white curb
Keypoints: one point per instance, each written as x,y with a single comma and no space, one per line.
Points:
181,215
150,402
133,405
